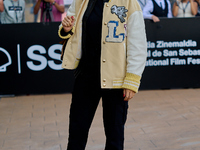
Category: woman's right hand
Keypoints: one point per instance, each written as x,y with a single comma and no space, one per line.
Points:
68,23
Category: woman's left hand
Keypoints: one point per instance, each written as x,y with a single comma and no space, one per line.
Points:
128,94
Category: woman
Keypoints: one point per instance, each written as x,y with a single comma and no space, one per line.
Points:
108,49
185,8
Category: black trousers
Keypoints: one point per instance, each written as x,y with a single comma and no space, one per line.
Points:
85,99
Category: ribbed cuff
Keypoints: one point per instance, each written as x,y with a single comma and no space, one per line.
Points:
131,82
63,35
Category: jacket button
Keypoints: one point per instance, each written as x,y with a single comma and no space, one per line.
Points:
104,60
104,85
105,23
104,80
107,5
104,42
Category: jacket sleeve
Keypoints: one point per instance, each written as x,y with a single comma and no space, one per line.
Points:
71,12
136,50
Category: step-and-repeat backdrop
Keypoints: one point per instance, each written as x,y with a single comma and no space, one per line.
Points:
30,57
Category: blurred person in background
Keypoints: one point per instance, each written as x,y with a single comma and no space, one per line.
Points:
57,9
198,12
142,3
155,9
1,8
185,8
32,10
13,11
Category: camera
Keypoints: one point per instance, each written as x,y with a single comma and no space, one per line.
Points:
47,12
46,6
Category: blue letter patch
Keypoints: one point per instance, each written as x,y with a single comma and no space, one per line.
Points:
112,37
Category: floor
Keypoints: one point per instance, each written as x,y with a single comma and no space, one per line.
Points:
157,120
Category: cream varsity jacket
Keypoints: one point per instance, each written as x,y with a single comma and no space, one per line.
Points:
123,48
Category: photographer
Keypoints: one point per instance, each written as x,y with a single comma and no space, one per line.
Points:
57,9
13,11
185,8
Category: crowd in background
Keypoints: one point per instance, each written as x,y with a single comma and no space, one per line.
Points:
154,9
13,11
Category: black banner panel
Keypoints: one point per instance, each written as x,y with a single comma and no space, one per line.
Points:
173,54
30,60
30,57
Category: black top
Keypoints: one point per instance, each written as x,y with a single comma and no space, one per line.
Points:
91,38
158,11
